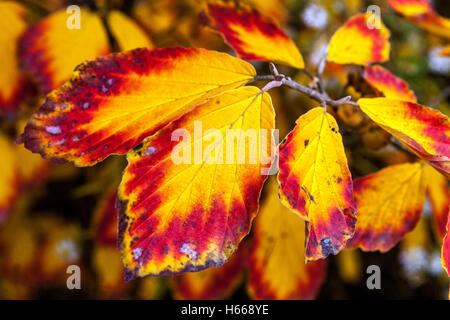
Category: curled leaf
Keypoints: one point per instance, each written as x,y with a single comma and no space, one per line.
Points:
112,103
315,182
360,42
185,205
389,85
277,268
53,47
252,35
389,203
423,130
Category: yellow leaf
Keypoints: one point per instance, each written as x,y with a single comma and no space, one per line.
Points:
252,35
315,182
424,130
128,34
185,211
85,120
13,86
54,46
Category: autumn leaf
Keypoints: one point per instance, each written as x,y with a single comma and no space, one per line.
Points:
356,43
439,195
422,13
423,130
252,35
389,205
14,88
277,268
387,84
128,34
49,57
188,212
445,251
315,182
9,177
212,283
85,120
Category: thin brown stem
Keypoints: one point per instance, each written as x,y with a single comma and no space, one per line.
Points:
314,94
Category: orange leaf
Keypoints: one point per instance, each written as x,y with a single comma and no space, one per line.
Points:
14,88
315,182
128,34
445,251
356,43
388,84
277,256
423,130
212,283
422,13
187,213
389,202
252,35
439,194
49,50
112,103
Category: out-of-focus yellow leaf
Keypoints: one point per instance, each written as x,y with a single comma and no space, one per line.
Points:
315,182
128,34
356,43
389,203
277,268
9,180
187,213
13,85
422,13
52,48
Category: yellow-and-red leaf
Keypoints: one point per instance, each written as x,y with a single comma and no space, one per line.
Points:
439,194
277,269
14,88
422,13
424,130
212,283
50,50
315,182
356,43
252,35
186,213
112,103
445,251
128,34
387,84
389,203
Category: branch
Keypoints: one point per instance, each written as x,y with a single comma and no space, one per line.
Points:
314,94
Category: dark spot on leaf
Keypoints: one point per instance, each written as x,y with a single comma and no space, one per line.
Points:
327,246
306,142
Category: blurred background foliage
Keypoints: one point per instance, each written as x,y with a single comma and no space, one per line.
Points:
59,215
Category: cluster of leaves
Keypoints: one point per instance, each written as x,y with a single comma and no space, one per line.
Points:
178,218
